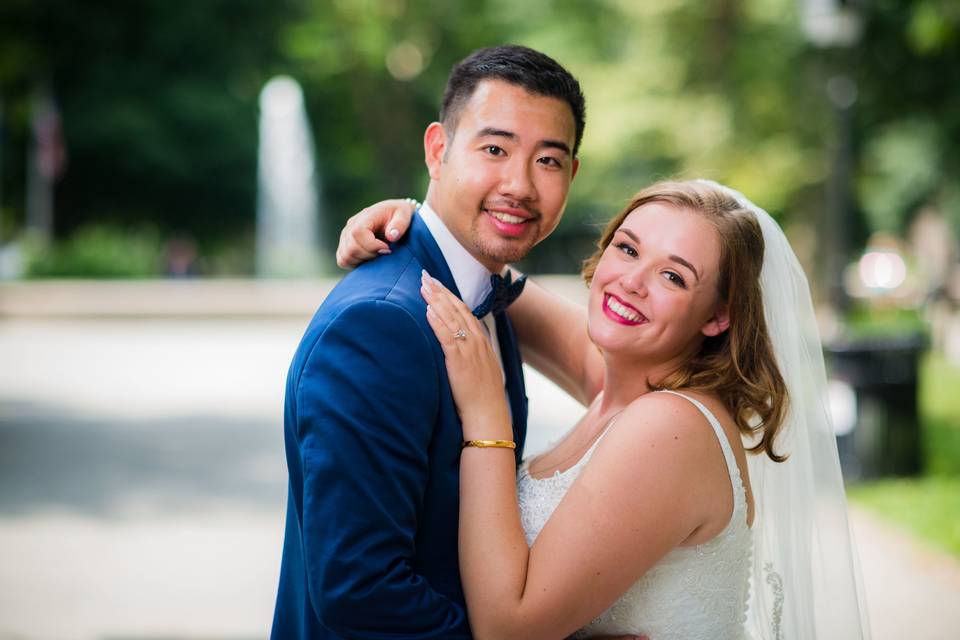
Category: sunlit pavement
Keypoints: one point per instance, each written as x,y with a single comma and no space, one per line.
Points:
142,484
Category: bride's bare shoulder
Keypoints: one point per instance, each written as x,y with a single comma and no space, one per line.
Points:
667,422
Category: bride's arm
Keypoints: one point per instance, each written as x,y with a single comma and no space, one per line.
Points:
551,329
641,495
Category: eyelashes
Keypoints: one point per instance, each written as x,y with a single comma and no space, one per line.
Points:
672,276
627,249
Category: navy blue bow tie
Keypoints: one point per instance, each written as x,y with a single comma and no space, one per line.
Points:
502,294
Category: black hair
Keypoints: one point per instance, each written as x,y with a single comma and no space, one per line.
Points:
536,72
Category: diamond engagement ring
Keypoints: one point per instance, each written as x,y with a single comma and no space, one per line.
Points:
460,335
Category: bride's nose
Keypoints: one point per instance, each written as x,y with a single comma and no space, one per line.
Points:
635,281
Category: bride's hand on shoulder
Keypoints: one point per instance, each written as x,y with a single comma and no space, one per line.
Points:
366,234
476,378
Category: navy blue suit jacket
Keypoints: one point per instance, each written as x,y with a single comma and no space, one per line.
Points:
373,452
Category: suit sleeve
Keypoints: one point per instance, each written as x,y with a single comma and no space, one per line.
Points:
367,403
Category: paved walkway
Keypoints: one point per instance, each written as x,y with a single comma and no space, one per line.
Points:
142,484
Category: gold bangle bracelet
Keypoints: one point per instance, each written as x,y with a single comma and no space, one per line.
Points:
502,444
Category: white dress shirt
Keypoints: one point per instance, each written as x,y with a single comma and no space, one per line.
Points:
471,277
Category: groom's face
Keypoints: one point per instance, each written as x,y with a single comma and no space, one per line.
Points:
499,180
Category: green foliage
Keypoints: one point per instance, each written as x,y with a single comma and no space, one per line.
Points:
902,168
909,50
865,321
99,251
159,102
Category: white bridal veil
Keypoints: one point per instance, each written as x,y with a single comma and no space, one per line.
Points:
806,577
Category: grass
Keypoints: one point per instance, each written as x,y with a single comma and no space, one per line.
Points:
929,505
940,416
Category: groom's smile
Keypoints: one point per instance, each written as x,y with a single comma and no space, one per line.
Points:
510,221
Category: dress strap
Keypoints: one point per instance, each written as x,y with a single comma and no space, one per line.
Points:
589,452
605,431
732,468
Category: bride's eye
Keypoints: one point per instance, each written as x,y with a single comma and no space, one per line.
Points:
675,278
627,249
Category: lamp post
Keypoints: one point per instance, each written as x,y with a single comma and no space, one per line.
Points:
835,26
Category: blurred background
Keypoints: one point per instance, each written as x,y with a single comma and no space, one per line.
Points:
174,175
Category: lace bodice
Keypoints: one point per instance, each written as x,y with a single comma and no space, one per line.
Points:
692,592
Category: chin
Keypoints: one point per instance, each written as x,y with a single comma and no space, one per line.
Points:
598,336
505,252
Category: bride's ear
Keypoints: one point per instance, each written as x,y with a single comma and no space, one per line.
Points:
718,322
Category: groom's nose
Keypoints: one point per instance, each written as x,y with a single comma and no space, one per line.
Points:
516,182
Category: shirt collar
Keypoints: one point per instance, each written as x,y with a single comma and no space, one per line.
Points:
471,277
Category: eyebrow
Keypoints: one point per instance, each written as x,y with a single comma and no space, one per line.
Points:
502,133
673,257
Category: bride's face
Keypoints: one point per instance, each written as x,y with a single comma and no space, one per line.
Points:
654,291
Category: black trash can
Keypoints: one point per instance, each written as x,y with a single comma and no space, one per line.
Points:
885,439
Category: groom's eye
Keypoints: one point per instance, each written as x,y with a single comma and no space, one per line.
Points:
494,150
550,161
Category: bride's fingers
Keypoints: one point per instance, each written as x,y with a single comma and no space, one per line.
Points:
357,245
350,257
449,306
452,318
446,333
439,293
400,220
365,240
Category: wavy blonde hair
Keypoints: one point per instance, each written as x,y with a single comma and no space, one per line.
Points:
738,366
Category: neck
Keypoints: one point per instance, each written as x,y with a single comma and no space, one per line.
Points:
625,378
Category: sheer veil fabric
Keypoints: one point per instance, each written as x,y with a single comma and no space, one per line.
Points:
805,580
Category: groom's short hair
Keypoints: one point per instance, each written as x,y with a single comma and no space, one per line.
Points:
536,72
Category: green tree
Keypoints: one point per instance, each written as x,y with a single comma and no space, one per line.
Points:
159,102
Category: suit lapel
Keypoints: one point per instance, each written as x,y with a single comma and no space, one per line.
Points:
420,241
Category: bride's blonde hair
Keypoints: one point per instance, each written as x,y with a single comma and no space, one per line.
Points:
738,366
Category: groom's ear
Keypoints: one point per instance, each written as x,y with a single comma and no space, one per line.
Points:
718,322
434,148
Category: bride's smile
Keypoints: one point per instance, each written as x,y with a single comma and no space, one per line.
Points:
622,312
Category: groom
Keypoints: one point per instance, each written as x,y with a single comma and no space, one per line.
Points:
371,432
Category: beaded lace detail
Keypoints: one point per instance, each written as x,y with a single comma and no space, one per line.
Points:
692,592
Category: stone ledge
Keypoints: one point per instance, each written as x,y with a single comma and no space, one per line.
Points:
162,298
189,298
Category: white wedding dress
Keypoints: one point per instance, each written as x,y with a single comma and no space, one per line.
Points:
693,592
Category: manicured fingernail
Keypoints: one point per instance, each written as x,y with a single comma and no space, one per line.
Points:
383,252
393,233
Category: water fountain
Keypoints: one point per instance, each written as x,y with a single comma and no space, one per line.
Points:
288,234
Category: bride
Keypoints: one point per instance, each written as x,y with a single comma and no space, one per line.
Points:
700,495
